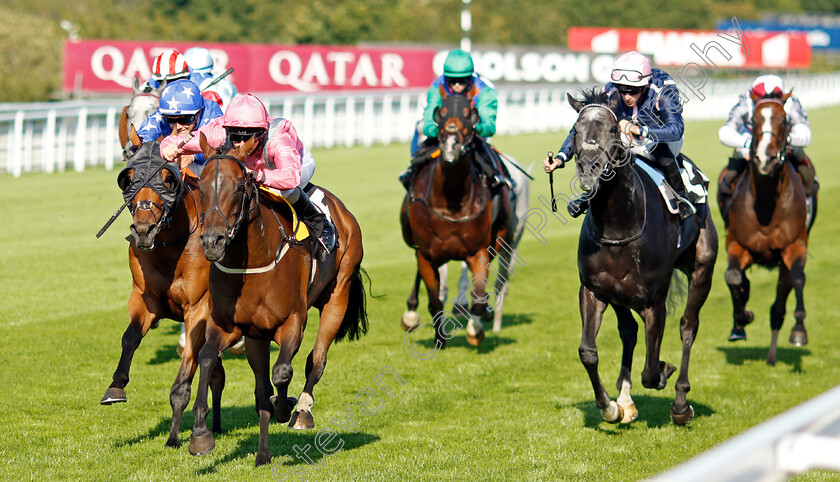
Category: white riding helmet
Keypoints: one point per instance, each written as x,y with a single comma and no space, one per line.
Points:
768,85
199,59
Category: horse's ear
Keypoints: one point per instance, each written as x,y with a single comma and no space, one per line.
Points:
135,85
247,147
576,104
133,137
169,180
161,86
754,97
787,96
205,147
614,100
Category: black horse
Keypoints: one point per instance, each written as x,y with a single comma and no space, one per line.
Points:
629,246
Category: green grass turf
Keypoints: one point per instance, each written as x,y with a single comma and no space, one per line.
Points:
518,407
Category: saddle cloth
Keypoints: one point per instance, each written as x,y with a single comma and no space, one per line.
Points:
696,183
316,196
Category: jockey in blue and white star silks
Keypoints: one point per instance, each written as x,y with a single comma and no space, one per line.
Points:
182,110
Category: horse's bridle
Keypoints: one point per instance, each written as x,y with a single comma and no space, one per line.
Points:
782,139
249,192
577,153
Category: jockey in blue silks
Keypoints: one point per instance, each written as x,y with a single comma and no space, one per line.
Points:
182,109
650,113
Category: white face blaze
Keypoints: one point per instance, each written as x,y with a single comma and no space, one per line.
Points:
765,140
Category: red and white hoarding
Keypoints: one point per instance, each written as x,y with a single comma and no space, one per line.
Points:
676,48
109,66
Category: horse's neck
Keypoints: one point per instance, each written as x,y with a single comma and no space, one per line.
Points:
455,181
766,191
183,219
619,205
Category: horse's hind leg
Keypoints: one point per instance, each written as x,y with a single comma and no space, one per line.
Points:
628,330
288,337
656,372
777,311
739,288
141,320
431,277
592,312
410,317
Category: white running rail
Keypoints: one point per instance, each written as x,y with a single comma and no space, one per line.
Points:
47,137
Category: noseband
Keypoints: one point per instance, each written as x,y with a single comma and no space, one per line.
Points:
781,139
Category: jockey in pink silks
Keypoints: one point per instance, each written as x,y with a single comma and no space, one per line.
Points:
279,161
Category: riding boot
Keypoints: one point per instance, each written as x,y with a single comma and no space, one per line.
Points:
407,176
808,175
421,157
578,206
672,175
320,228
736,166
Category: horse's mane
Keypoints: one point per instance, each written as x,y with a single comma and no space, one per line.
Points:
596,95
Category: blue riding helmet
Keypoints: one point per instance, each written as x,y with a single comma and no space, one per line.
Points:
181,97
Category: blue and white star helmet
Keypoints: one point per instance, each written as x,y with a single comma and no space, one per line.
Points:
181,97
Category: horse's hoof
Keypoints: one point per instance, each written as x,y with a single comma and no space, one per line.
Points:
282,413
798,337
475,332
409,319
682,419
173,443
262,459
629,413
737,334
202,444
113,395
302,420
613,413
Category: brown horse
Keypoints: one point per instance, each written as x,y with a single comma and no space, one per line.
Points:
630,245
449,214
262,283
169,272
766,225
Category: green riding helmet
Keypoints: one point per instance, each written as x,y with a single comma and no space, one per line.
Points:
458,64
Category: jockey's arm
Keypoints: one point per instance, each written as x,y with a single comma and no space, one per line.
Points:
433,101
488,104
564,155
735,133
151,128
671,127
800,130
284,149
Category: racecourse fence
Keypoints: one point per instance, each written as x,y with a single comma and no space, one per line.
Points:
48,137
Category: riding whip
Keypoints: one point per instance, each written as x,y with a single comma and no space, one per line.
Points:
116,214
551,184
217,79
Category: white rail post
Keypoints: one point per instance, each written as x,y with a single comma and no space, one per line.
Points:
16,156
112,145
48,144
79,143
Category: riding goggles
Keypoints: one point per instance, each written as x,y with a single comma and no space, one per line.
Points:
242,135
458,80
183,120
629,89
628,75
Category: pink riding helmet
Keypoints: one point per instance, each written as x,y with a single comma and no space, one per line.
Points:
631,69
246,110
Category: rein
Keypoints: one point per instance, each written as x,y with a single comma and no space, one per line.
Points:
231,230
780,138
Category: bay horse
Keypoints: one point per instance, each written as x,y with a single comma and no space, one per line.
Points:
143,103
629,247
263,281
169,273
449,214
520,204
767,225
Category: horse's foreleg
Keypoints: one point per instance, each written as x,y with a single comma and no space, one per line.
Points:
462,300
628,330
656,372
410,317
257,352
739,288
591,313
478,292
699,286
201,440
794,258
431,277
179,395
288,337
142,318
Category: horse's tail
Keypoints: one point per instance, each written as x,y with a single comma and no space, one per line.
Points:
355,322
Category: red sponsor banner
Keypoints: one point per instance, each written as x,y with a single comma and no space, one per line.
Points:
726,49
109,66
